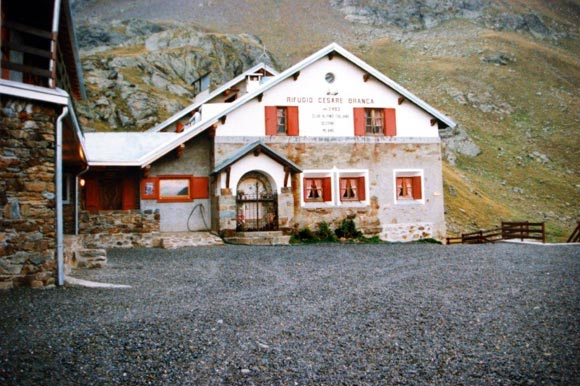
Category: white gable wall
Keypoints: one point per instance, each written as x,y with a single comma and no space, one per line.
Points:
261,163
326,109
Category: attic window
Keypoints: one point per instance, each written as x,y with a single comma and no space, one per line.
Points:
201,83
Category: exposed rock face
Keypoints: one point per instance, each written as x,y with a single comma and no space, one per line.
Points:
456,141
410,15
413,15
126,61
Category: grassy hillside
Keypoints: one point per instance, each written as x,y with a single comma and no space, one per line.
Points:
524,115
517,94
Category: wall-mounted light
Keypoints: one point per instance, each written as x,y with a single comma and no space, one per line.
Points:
82,182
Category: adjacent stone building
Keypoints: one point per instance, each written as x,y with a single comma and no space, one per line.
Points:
41,143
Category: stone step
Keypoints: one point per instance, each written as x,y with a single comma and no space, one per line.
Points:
176,240
90,258
259,238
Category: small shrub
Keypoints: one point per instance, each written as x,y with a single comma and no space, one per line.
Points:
306,235
372,240
325,233
428,241
347,230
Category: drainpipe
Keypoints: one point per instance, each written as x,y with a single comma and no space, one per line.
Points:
59,210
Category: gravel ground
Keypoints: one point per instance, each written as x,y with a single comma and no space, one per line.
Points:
323,314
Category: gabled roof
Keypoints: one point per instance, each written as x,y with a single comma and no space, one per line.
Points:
123,149
254,147
182,113
191,132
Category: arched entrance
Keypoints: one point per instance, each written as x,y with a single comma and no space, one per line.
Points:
256,204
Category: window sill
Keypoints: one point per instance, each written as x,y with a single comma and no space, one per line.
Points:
171,200
409,202
353,204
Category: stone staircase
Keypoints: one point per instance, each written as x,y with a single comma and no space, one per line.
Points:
174,240
259,238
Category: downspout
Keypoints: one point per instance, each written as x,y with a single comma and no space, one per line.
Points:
59,209
86,168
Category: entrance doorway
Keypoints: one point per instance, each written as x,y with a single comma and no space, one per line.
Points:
256,204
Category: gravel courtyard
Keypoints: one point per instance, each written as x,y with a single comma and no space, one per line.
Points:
388,314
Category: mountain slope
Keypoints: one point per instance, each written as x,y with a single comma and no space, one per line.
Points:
507,71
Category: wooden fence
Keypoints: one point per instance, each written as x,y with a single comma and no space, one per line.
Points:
508,231
523,231
575,236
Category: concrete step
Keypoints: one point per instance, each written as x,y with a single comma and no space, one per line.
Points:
259,238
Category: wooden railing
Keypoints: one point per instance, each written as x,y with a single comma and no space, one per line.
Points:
40,69
508,231
523,230
575,236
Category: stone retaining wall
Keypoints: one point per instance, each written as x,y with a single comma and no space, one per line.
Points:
110,222
27,194
407,232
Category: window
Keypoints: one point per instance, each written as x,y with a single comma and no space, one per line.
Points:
174,188
312,189
375,121
282,120
66,188
281,127
408,186
352,188
201,84
317,189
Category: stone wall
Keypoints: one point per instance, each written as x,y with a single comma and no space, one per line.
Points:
381,158
110,222
27,193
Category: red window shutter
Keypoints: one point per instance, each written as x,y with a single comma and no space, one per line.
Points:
271,120
417,188
359,121
92,195
361,189
390,123
200,187
292,115
129,194
326,189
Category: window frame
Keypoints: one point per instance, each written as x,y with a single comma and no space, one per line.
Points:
177,197
318,175
319,187
282,113
370,121
361,187
291,120
412,174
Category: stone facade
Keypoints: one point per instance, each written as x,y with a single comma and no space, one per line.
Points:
109,222
383,216
27,193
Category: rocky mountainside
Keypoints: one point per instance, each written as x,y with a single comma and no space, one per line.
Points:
139,72
508,71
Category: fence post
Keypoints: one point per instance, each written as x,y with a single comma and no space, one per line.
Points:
543,233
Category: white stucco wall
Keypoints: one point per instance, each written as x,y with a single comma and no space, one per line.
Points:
326,109
261,163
